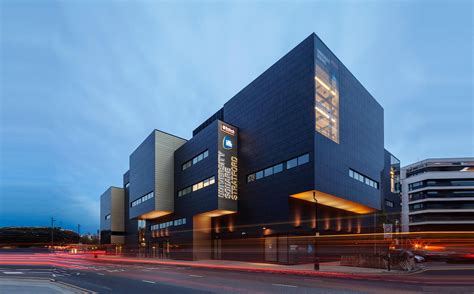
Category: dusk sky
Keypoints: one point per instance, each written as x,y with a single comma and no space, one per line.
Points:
82,83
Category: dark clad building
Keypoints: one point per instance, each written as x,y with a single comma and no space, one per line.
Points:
304,132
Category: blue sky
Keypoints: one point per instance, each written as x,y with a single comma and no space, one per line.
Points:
82,83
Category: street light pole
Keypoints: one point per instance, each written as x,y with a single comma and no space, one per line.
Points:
316,235
52,232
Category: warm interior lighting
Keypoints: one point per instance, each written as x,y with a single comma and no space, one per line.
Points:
325,114
326,222
154,214
322,83
338,223
217,212
334,201
325,86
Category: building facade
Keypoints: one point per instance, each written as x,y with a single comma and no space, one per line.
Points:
438,195
298,151
112,216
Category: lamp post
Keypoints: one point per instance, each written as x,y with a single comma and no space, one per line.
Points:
316,235
52,232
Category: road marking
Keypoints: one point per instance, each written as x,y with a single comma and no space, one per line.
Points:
101,274
13,273
196,276
76,287
150,282
284,285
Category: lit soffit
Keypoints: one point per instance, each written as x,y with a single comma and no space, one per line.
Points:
334,201
154,214
217,212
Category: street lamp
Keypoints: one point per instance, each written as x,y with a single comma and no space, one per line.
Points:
316,258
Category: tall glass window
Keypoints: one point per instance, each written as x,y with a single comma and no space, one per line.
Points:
394,174
327,97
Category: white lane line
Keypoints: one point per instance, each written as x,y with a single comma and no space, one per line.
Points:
284,285
101,274
196,276
13,273
149,282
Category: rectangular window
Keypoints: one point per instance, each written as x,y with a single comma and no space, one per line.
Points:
303,159
292,163
251,178
200,185
268,172
259,175
206,153
327,97
278,168
363,179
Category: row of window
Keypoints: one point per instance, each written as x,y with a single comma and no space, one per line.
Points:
107,216
441,194
440,183
195,160
142,199
442,205
197,186
361,178
294,162
177,222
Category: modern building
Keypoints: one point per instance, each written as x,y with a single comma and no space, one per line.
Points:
296,153
438,195
112,216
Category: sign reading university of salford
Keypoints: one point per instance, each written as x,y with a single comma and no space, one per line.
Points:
227,162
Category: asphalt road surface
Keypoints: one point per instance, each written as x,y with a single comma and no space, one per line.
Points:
90,276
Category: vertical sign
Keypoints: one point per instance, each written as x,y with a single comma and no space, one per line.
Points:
227,161
387,231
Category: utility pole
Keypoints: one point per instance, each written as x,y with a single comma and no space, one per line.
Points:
52,232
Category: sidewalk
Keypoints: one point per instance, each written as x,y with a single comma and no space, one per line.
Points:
326,269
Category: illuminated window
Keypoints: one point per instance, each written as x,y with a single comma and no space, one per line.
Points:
198,186
327,98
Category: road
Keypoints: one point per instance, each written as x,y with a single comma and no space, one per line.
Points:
134,278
